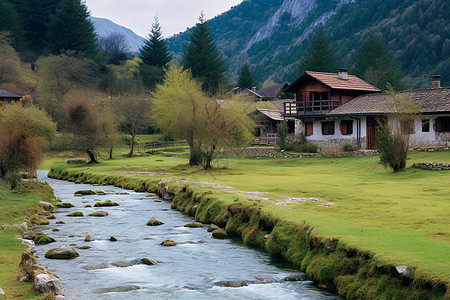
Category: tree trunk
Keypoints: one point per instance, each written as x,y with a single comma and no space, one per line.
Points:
207,158
92,158
195,157
130,154
111,153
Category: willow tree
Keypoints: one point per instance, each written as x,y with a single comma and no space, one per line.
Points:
182,109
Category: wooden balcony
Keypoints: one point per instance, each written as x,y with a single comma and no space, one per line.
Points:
310,108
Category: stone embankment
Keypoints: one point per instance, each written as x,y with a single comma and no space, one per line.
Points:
263,152
432,166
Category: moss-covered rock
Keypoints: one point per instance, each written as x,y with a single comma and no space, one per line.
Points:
84,247
98,214
88,238
61,252
194,225
100,193
113,239
65,205
55,229
51,217
76,214
106,204
168,243
85,192
60,222
233,284
219,234
146,261
212,227
41,238
154,222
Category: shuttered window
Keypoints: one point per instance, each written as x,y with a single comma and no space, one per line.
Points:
309,129
346,127
327,128
443,124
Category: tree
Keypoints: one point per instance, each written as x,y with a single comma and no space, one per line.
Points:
115,47
57,76
24,135
155,56
133,112
245,78
10,22
376,65
91,129
180,108
10,71
319,56
203,59
70,29
393,134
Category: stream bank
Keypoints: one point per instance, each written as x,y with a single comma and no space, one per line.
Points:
351,272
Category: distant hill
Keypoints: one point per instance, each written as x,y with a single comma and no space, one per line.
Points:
105,27
271,35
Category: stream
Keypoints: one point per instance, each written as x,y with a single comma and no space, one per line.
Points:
186,271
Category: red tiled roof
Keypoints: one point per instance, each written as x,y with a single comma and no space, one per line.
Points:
333,81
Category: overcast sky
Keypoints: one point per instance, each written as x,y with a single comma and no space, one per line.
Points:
174,15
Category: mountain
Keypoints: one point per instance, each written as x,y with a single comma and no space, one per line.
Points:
271,35
105,27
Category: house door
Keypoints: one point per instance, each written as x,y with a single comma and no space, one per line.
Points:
372,126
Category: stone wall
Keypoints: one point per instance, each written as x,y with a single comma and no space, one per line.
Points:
260,152
432,166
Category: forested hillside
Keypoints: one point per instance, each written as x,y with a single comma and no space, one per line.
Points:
417,34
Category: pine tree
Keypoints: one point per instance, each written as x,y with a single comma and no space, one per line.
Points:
154,51
245,78
203,59
319,56
10,22
376,65
70,29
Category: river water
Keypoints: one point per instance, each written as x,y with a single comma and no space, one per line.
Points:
186,271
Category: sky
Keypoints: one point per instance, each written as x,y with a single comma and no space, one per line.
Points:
174,15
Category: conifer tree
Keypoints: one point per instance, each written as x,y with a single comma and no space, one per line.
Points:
155,57
376,65
245,78
10,22
154,52
319,56
203,59
70,30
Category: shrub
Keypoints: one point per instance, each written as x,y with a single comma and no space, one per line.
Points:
349,148
393,152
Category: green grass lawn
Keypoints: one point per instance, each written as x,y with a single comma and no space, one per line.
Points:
13,207
403,217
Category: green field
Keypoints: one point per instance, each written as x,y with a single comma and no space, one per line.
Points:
404,217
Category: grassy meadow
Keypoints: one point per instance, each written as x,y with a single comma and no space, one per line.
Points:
403,217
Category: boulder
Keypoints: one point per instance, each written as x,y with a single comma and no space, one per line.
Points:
106,203
99,267
219,233
46,283
76,214
296,277
154,222
85,192
24,225
88,238
47,206
41,238
234,284
403,270
55,229
213,227
84,247
98,214
331,244
61,252
60,222
146,261
100,193
2,293
28,235
194,225
122,264
30,245
60,297
113,239
26,267
168,243
51,217
65,205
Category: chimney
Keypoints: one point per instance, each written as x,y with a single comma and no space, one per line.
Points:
254,88
436,81
343,74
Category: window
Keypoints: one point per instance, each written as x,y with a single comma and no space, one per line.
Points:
309,129
346,127
328,128
443,124
407,126
426,125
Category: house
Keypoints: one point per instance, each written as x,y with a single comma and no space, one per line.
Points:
318,93
337,109
267,121
7,97
274,94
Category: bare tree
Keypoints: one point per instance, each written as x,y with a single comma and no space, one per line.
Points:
115,46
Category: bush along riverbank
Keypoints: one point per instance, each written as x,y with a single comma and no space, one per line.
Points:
350,272
21,277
